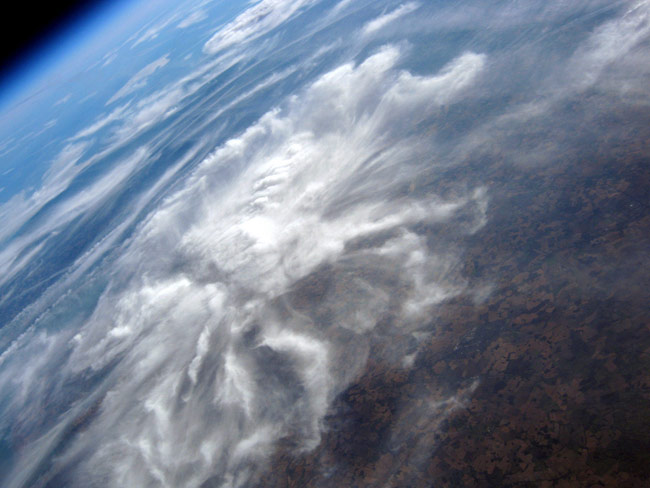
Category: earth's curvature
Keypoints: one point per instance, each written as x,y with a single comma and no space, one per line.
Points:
319,243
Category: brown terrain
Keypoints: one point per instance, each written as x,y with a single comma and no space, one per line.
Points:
546,383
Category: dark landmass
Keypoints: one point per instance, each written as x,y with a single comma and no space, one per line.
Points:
551,373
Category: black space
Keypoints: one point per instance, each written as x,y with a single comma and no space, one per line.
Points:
28,27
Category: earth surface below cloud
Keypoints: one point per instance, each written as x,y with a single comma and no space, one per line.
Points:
330,243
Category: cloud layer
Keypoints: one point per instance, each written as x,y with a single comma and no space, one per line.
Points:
251,294
139,80
216,315
382,21
259,19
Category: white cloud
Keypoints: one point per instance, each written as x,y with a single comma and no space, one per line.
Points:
270,81
139,80
109,57
63,100
62,171
149,111
100,188
131,119
193,18
194,311
6,144
259,19
46,126
18,210
610,43
279,207
115,115
382,21
88,259
340,6
611,60
152,30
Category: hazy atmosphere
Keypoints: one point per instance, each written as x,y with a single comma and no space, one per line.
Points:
330,243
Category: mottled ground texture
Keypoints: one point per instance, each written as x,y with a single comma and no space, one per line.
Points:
558,354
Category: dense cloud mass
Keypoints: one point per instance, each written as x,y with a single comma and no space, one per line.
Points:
208,264
239,366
